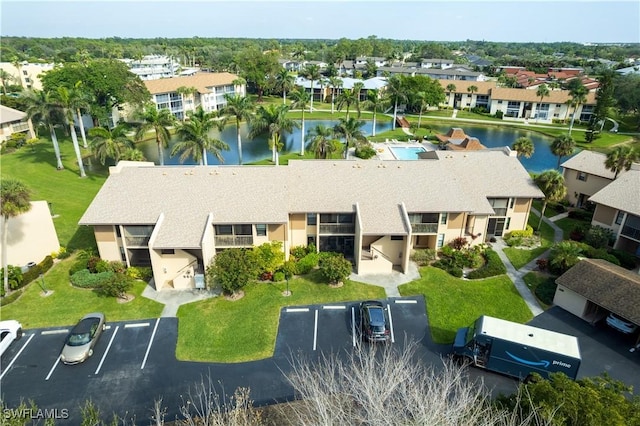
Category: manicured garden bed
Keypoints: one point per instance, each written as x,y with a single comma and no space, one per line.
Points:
520,257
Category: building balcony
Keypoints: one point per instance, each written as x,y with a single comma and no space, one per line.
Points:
337,228
424,228
20,127
631,232
137,241
234,240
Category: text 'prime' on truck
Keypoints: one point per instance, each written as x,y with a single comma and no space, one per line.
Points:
517,350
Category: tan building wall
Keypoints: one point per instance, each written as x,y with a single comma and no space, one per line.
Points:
604,216
108,244
29,74
173,270
570,301
393,249
522,205
575,186
31,236
298,229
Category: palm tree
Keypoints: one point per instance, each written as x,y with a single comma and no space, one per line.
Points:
542,92
132,154
564,255
579,96
472,89
421,99
621,158
272,119
41,109
301,99
5,78
350,97
524,147
66,100
15,199
81,102
241,108
185,91
312,73
334,82
396,92
112,143
159,122
374,102
195,138
349,129
562,146
450,89
285,82
551,183
323,144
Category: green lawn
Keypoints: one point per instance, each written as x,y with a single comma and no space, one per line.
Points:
68,304
520,257
569,224
218,330
551,210
68,194
453,302
544,283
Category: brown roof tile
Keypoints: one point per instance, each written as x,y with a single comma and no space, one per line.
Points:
201,81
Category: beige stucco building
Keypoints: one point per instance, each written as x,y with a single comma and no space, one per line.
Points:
14,121
175,218
26,74
584,175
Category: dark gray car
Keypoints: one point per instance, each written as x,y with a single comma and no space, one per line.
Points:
373,322
82,338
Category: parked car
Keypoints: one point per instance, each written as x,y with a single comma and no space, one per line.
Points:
373,321
10,330
621,324
83,337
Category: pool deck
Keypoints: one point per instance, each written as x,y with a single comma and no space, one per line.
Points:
384,153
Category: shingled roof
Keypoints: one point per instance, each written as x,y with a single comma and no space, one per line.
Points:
622,193
201,81
608,285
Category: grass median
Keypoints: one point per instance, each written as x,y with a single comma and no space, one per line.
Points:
454,302
219,330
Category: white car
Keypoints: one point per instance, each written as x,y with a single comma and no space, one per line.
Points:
10,330
621,324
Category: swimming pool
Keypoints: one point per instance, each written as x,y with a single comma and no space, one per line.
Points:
406,152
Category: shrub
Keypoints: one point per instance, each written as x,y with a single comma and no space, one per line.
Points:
546,290
365,152
526,233
499,114
578,232
116,285
63,253
627,260
232,269
307,263
492,267
86,279
78,265
298,252
542,264
423,256
10,298
580,214
278,276
143,273
102,266
598,237
564,255
15,277
266,276
601,253
117,266
335,268
269,256
32,274
459,243
46,264
92,262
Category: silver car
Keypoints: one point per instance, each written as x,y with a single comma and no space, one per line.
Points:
621,324
82,338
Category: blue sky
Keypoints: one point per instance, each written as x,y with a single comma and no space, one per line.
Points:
520,21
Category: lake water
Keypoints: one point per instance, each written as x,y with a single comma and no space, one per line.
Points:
257,149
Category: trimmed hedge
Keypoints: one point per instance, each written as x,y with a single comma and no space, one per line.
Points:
307,263
85,279
10,298
493,267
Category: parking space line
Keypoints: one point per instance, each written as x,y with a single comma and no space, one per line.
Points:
47,332
353,325
107,350
139,324
55,364
315,331
406,301
334,307
155,328
5,369
393,339
297,310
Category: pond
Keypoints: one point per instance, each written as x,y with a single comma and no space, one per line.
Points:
257,149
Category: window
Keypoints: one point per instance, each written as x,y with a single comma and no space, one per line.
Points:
506,226
512,201
499,205
242,230
619,217
397,238
261,230
440,242
167,251
443,218
582,176
224,230
424,218
312,219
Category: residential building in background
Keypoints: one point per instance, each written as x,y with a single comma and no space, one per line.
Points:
26,74
153,67
14,121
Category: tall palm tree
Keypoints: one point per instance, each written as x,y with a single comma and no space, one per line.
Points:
350,130
472,89
551,183
323,144
185,91
272,119
524,147
562,146
542,92
240,108
112,143
357,89
6,78
350,97
334,83
421,100
195,139
395,91
450,89
311,73
159,122
42,109
374,102
285,82
301,99
579,96
15,199
621,158
66,100
81,101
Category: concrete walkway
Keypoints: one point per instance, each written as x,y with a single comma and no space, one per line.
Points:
172,299
389,282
